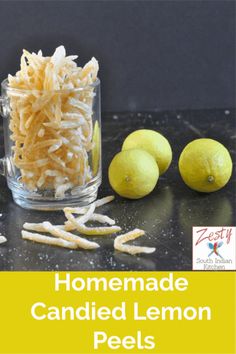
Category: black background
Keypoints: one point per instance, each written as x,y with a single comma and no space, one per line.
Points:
153,54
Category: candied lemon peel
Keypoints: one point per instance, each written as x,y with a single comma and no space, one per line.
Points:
51,108
64,238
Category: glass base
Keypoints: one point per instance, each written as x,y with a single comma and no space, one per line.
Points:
83,196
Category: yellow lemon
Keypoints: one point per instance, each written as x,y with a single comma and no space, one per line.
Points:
96,148
205,165
133,173
154,143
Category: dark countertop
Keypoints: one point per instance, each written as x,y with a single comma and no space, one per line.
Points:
167,215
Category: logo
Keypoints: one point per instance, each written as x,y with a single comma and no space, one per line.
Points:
214,248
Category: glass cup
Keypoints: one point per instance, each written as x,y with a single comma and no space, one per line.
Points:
52,145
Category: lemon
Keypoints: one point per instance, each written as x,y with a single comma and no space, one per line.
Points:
96,148
205,165
133,173
154,143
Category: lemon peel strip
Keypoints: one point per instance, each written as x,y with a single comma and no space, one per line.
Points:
2,239
47,240
68,226
131,235
98,203
91,231
86,217
82,243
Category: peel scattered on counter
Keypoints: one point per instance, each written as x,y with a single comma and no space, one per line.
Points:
86,217
64,238
98,203
72,223
65,235
79,223
34,226
132,235
91,231
26,235
68,226
2,239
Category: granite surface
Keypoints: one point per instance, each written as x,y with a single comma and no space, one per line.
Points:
167,215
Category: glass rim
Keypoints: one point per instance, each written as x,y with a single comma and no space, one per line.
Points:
5,86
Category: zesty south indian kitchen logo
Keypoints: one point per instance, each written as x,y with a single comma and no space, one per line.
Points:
214,248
